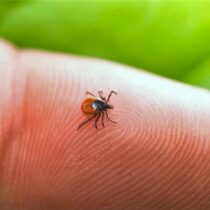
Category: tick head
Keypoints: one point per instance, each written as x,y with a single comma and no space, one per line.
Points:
99,105
109,106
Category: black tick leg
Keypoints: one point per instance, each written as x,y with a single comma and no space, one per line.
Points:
109,118
110,95
102,119
96,121
101,95
89,93
86,121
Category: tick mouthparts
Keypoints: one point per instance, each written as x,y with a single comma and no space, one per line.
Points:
109,106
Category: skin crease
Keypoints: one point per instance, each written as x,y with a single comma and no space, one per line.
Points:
156,157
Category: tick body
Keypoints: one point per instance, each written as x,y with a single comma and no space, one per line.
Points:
96,107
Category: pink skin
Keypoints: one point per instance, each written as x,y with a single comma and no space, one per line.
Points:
156,157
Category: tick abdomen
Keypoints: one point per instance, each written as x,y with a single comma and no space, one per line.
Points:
88,106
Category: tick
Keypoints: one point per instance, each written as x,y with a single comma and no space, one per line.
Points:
97,107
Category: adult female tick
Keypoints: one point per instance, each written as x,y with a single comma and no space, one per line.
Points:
97,107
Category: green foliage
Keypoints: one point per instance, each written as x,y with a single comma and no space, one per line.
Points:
170,38
200,75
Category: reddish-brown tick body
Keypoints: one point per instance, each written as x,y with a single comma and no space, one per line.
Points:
96,107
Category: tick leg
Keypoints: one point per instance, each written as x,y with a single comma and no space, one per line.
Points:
88,93
101,95
102,119
96,121
109,118
86,121
110,95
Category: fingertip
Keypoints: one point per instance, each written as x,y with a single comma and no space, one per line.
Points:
128,165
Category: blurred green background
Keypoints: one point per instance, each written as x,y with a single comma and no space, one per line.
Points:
170,38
